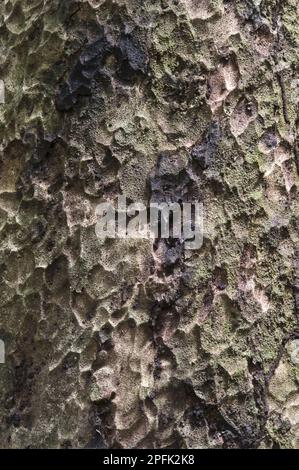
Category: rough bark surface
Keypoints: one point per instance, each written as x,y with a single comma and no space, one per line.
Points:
125,343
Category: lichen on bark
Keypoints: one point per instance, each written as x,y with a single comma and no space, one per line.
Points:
126,343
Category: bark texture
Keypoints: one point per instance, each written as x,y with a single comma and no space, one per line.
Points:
125,343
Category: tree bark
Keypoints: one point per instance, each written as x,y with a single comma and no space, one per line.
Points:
129,343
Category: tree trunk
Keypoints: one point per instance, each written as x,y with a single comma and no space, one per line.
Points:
129,343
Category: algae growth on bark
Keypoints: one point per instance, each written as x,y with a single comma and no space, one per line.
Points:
127,343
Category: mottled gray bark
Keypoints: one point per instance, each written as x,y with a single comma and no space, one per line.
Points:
126,343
